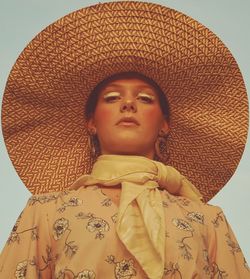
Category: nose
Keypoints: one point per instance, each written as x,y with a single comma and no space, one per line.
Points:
128,105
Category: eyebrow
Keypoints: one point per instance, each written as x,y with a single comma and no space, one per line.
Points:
140,86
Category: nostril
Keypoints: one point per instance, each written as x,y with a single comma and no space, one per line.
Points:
128,106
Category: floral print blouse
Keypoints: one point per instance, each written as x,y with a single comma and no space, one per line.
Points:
71,235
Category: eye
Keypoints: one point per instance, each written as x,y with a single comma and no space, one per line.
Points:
146,98
111,97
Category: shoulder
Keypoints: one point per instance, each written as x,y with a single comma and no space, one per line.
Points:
58,201
46,200
213,217
194,210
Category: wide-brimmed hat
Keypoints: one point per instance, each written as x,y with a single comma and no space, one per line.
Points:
43,106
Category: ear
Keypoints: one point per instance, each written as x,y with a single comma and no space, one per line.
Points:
91,126
165,128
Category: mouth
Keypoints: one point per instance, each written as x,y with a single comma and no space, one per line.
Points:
127,124
128,121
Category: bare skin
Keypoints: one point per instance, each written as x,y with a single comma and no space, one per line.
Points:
127,120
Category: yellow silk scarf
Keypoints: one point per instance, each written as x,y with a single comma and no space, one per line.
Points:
140,222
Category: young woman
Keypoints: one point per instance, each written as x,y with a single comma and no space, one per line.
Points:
133,216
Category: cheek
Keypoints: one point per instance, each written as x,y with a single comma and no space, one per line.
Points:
153,116
103,116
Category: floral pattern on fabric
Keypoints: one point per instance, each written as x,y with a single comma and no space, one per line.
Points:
21,270
114,217
59,228
212,269
107,202
85,274
218,219
46,198
183,246
124,269
58,236
22,267
95,224
234,247
72,202
16,235
172,270
182,225
196,217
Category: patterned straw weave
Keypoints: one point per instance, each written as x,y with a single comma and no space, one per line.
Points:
43,106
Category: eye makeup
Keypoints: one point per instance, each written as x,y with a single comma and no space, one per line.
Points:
111,96
114,95
145,97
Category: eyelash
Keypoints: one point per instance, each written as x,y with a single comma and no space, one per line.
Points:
145,99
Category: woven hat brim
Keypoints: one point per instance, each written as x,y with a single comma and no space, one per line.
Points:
43,106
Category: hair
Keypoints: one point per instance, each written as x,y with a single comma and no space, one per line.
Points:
93,97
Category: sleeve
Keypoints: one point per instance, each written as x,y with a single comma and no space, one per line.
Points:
28,252
224,256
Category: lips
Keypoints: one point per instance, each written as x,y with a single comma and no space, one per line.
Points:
128,121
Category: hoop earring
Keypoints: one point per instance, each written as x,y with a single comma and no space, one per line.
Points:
93,144
161,150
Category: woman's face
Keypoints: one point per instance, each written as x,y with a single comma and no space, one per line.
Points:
128,118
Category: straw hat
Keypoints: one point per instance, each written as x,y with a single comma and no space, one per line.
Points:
43,105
